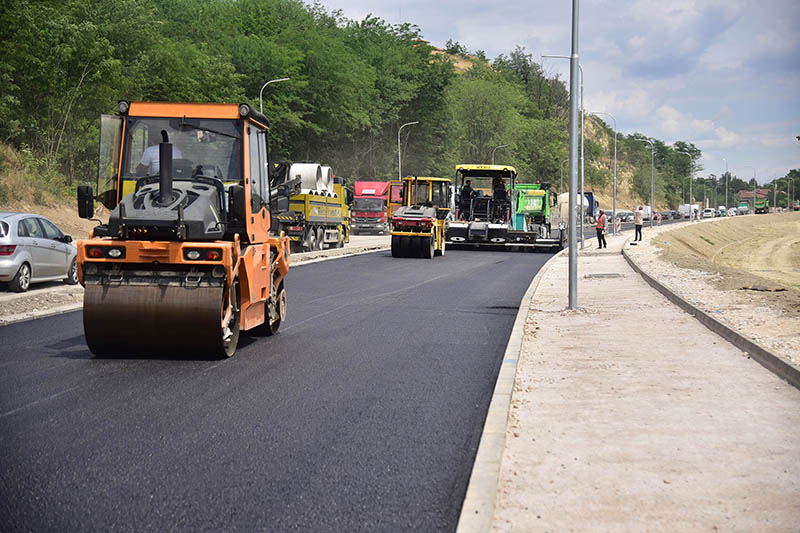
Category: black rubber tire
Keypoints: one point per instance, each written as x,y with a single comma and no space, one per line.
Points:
426,247
310,243
405,246
273,327
396,246
22,281
72,273
229,348
416,247
320,238
268,329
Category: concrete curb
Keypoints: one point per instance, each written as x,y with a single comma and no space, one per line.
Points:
361,250
24,317
477,510
767,359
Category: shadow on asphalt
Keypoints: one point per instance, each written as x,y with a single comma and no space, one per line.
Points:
65,349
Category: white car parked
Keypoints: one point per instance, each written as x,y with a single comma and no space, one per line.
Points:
33,249
708,213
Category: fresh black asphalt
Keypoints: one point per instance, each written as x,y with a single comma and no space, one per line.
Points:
363,414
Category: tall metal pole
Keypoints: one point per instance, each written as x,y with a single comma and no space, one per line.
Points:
399,157
727,179
573,157
614,206
495,148
583,192
261,93
652,181
689,202
561,183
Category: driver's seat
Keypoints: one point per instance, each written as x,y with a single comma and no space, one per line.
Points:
182,168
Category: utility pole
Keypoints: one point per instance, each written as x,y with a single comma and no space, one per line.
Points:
652,180
399,157
573,157
727,179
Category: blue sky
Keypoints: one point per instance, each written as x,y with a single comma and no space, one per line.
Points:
723,74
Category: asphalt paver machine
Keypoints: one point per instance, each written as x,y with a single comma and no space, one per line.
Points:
187,259
492,212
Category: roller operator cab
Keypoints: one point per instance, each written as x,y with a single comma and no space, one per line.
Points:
187,259
493,211
420,223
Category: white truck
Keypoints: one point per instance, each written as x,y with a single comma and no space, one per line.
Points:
686,209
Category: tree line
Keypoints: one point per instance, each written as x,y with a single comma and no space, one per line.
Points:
352,84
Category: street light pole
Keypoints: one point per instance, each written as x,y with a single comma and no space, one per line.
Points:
614,205
573,157
652,180
727,179
261,93
689,202
399,156
583,195
561,183
495,148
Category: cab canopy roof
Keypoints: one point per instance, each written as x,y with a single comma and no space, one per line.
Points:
422,178
487,171
191,110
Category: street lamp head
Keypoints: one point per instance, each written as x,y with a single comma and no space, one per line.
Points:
261,93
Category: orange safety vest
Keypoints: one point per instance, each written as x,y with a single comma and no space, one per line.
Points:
601,222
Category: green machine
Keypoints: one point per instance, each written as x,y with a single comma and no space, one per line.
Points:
533,206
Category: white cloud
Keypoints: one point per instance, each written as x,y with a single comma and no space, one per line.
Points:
723,74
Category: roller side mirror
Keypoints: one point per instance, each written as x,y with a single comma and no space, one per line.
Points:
85,201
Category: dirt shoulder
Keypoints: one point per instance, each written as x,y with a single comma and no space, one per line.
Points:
716,264
65,216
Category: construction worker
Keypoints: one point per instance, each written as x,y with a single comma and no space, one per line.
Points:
601,230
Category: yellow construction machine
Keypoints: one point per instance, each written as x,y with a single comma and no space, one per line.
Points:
187,259
420,223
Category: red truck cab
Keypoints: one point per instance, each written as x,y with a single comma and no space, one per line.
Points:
368,212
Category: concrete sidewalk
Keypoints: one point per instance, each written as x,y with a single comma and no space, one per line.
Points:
628,414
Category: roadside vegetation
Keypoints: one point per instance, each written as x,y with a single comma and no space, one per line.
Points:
353,83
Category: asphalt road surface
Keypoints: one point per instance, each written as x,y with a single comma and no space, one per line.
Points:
363,413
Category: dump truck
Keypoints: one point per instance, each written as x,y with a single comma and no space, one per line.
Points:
744,207
368,213
317,212
188,258
761,206
420,224
488,212
593,206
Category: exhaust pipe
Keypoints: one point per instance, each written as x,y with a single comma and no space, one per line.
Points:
165,196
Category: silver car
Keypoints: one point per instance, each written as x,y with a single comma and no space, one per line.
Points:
33,249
